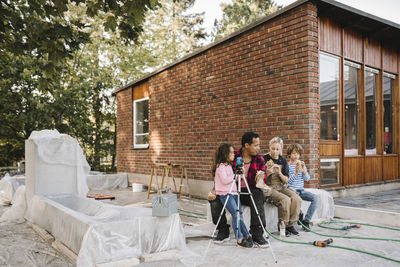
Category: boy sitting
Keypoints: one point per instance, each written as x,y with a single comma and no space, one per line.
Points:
297,175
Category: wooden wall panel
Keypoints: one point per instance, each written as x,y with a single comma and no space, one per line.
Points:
353,170
330,36
390,167
389,59
352,45
141,91
330,149
373,169
372,53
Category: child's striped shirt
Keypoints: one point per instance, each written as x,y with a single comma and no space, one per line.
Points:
297,182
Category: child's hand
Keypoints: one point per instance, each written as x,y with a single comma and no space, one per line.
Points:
212,196
298,167
269,171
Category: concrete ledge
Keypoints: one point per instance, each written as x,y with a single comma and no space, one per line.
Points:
364,189
367,215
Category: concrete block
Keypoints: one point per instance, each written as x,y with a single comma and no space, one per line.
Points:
367,215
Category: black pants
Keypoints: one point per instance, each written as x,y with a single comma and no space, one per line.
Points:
258,196
255,227
216,208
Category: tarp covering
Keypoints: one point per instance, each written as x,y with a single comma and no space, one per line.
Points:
8,186
16,213
100,232
102,181
54,148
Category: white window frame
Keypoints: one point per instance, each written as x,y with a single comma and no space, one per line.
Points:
134,124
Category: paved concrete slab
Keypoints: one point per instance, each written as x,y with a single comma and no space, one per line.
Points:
14,249
383,201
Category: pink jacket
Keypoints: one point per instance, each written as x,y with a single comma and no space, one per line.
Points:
223,180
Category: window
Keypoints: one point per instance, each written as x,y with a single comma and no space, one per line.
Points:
330,171
388,82
141,123
329,97
371,77
351,108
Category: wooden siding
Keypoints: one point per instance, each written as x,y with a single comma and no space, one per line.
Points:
352,45
390,167
389,57
332,149
373,169
141,90
330,36
372,53
369,52
353,172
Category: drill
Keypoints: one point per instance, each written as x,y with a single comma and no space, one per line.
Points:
323,243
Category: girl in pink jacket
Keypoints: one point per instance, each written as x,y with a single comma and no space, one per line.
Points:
224,176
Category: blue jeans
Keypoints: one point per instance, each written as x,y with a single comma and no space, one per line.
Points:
314,199
231,206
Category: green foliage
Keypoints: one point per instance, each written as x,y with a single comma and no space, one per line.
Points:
63,77
241,13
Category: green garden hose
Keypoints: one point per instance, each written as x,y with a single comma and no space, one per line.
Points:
351,237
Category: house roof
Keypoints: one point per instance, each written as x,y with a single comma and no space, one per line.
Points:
348,17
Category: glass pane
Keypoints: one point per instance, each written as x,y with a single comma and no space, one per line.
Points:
370,112
330,171
350,110
142,139
142,117
387,114
329,97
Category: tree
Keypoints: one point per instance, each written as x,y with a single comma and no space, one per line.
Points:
168,34
37,40
240,13
39,28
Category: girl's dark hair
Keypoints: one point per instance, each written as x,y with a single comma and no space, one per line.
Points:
221,156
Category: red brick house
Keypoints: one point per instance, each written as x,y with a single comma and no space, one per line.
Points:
318,73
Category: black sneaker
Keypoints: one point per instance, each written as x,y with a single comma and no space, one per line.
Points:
292,230
306,226
222,236
245,243
287,233
301,218
260,241
250,240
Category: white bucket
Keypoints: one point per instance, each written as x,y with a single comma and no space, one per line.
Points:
137,187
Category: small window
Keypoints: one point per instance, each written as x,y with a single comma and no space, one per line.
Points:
351,109
371,78
329,97
141,123
388,82
330,171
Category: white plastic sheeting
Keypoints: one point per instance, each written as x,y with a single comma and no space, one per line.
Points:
15,214
8,186
102,181
100,233
58,150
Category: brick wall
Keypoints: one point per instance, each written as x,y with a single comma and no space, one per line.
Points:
264,80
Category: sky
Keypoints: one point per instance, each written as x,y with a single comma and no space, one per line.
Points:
387,9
